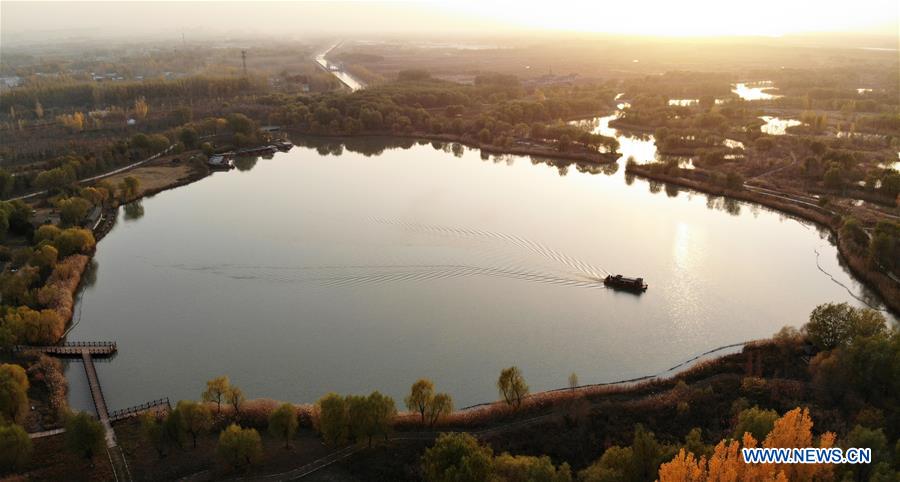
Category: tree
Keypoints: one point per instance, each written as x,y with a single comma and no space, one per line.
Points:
522,468
129,187
197,418
368,416
832,325
55,178
573,380
84,435
613,466
756,422
441,405
793,430
157,143
73,210
235,397
239,447
216,389
241,124
834,177
381,413
420,396
332,419
647,454
189,137
512,386
15,447
13,393
457,457
74,240
141,108
153,432
283,423
174,428
874,439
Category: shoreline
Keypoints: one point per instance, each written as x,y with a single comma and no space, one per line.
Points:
592,157
817,216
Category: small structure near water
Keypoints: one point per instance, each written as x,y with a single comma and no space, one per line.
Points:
220,162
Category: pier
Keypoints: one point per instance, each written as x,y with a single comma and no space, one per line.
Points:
87,351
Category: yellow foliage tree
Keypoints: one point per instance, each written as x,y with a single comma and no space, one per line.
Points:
141,108
793,430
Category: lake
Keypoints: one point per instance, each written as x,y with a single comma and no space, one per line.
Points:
365,266
755,90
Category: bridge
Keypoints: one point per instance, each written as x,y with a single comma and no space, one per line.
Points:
87,351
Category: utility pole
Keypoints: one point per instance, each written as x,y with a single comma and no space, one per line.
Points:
244,61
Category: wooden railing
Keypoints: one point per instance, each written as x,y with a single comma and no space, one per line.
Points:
139,409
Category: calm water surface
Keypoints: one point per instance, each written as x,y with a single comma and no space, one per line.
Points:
325,269
755,90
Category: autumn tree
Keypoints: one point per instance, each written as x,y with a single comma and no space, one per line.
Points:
793,430
216,390
84,435
174,428
283,423
15,447
129,187
73,210
332,418
457,457
441,405
13,393
512,386
152,431
235,397
527,468
573,380
74,240
196,417
141,108
239,447
420,396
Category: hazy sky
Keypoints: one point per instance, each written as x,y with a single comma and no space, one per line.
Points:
22,21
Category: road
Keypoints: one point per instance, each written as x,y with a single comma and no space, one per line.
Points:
352,82
105,174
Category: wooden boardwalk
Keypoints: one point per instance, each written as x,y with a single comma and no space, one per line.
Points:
87,350
74,348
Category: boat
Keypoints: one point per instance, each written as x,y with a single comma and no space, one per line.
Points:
620,282
220,162
283,146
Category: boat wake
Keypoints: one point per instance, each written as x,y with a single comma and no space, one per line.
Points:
563,270
580,267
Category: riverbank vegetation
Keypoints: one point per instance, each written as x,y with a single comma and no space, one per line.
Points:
495,111
832,383
837,167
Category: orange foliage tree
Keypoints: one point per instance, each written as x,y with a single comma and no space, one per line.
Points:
793,430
